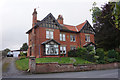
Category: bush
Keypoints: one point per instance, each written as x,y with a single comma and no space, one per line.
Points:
72,53
110,60
101,62
112,54
25,54
90,48
81,52
118,57
100,53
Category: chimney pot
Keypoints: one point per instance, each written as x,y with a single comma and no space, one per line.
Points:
60,19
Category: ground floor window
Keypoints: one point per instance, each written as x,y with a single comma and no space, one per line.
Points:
62,49
51,49
72,48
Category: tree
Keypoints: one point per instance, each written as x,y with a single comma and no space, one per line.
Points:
106,33
116,13
5,51
24,47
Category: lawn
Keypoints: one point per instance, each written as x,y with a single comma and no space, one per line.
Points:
22,64
62,60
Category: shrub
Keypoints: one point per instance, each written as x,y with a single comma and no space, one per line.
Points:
72,53
25,54
112,54
81,52
118,57
100,53
101,62
90,48
110,60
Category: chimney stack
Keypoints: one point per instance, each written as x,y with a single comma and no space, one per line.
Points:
60,19
34,17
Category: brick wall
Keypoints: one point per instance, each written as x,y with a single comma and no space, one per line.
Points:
55,67
40,37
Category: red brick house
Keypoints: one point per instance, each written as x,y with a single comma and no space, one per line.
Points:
52,38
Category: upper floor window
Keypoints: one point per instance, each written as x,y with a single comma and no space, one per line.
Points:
72,38
62,49
62,37
72,48
49,34
87,38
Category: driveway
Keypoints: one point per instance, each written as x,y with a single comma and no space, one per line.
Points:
12,72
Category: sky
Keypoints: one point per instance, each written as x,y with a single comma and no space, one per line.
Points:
16,17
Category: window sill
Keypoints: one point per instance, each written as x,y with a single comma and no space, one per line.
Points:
72,41
63,41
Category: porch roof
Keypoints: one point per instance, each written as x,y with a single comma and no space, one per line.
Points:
87,44
48,41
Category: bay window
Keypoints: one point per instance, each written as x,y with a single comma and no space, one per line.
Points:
51,49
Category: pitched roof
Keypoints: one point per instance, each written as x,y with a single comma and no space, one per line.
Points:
75,28
63,27
70,27
80,26
50,41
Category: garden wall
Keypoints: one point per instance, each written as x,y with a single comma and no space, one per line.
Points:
55,67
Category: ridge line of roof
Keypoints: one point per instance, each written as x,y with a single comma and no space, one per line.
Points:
68,25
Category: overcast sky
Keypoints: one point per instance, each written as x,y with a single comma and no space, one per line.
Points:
16,16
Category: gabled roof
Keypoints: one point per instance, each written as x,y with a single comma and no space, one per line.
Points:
80,26
62,27
75,28
48,41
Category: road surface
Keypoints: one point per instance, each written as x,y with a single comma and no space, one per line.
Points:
12,72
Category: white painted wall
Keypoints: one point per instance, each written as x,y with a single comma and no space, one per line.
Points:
16,53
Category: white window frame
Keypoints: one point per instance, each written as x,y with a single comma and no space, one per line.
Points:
49,34
72,47
62,37
62,48
47,46
87,38
72,38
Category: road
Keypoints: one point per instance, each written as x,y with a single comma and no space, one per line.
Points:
12,72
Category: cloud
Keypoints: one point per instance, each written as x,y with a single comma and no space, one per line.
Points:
16,17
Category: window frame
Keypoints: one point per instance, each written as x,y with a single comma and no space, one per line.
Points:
72,38
62,37
72,47
87,38
48,48
63,49
49,35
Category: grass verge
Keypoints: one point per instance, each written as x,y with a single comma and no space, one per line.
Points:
5,66
22,64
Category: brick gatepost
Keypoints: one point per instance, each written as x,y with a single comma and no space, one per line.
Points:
32,64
